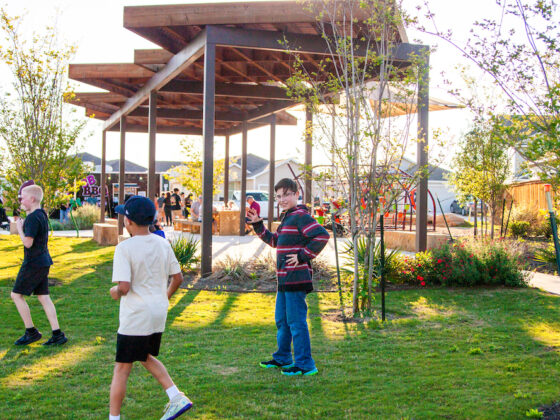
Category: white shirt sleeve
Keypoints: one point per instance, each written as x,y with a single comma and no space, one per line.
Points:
121,266
173,265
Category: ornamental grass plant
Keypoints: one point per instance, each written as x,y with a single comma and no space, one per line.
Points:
467,263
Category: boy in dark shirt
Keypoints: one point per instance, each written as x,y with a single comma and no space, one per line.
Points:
34,271
298,240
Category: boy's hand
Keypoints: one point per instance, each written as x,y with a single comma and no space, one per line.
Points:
19,225
292,259
115,292
253,216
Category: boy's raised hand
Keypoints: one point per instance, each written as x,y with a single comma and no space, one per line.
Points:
115,293
253,216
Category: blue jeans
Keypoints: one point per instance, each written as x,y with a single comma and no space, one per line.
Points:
291,322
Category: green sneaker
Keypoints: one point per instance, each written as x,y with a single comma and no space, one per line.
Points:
294,371
177,406
274,364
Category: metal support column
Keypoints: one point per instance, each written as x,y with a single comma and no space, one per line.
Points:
226,172
271,170
103,180
422,154
208,158
308,181
121,172
243,202
152,129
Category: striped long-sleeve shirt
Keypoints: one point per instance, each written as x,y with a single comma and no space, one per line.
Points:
298,234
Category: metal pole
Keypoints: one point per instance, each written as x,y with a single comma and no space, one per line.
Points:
226,172
507,221
271,171
242,204
103,176
337,265
208,158
382,265
547,190
152,130
308,181
422,154
122,173
444,219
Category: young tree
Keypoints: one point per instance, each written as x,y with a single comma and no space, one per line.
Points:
189,174
355,93
481,167
516,43
39,136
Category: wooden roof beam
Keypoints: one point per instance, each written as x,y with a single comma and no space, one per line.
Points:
108,71
228,89
175,66
311,44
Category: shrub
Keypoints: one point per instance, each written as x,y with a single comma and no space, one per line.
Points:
466,263
56,225
519,228
546,255
185,249
85,216
544,228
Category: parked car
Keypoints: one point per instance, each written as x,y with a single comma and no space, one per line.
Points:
260,197
458,208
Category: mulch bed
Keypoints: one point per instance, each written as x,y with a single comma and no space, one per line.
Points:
551,412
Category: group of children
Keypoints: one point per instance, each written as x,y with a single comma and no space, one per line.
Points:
142,266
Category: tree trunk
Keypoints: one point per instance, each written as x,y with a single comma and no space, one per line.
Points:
475,221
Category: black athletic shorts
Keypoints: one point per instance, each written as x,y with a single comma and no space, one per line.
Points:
135,348
32,280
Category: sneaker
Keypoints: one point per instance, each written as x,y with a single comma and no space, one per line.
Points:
177,406
56,340
294,371
274,364
28,338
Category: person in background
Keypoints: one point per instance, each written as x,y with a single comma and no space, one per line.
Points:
167,209
188,204
160,202
196,209
156,229
175,204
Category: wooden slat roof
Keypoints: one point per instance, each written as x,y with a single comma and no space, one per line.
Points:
248,80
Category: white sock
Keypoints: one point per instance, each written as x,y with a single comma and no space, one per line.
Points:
172,391
114,417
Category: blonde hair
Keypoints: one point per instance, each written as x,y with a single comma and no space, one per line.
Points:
34,191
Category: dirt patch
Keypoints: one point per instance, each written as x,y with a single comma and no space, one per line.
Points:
551,412
54,282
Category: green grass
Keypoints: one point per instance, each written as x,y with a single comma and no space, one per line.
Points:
484,353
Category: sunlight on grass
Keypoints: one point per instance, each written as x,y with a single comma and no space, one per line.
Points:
244,311
204,310
330,327
544,333
423,309
3,354
176,298
48,365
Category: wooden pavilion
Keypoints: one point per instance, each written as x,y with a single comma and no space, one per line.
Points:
220,71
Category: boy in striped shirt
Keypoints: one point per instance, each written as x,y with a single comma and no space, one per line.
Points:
298,240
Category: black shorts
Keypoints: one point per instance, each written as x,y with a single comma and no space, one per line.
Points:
135,348
32,280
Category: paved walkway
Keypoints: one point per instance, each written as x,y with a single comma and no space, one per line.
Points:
546,282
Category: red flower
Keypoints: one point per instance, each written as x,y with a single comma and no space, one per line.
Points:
419,277
439,261
445,278
423,283
412,269
471,255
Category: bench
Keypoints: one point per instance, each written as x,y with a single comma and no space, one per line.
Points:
185,225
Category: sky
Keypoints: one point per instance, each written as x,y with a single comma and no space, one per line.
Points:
97,30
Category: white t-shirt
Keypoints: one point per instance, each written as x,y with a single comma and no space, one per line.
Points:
146,261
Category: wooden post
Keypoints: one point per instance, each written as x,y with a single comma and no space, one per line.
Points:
103,201
243,199
271,171
226,172
122,172
308,195
152,129
208,159
422,155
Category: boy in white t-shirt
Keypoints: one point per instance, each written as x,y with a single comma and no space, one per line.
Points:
141,267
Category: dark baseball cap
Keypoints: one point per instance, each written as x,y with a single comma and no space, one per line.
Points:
139,209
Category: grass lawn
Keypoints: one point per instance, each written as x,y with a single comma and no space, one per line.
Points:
484,353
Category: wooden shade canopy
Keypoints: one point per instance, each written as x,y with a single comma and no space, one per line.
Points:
220,70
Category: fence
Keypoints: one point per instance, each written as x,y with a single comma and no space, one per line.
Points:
529,194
